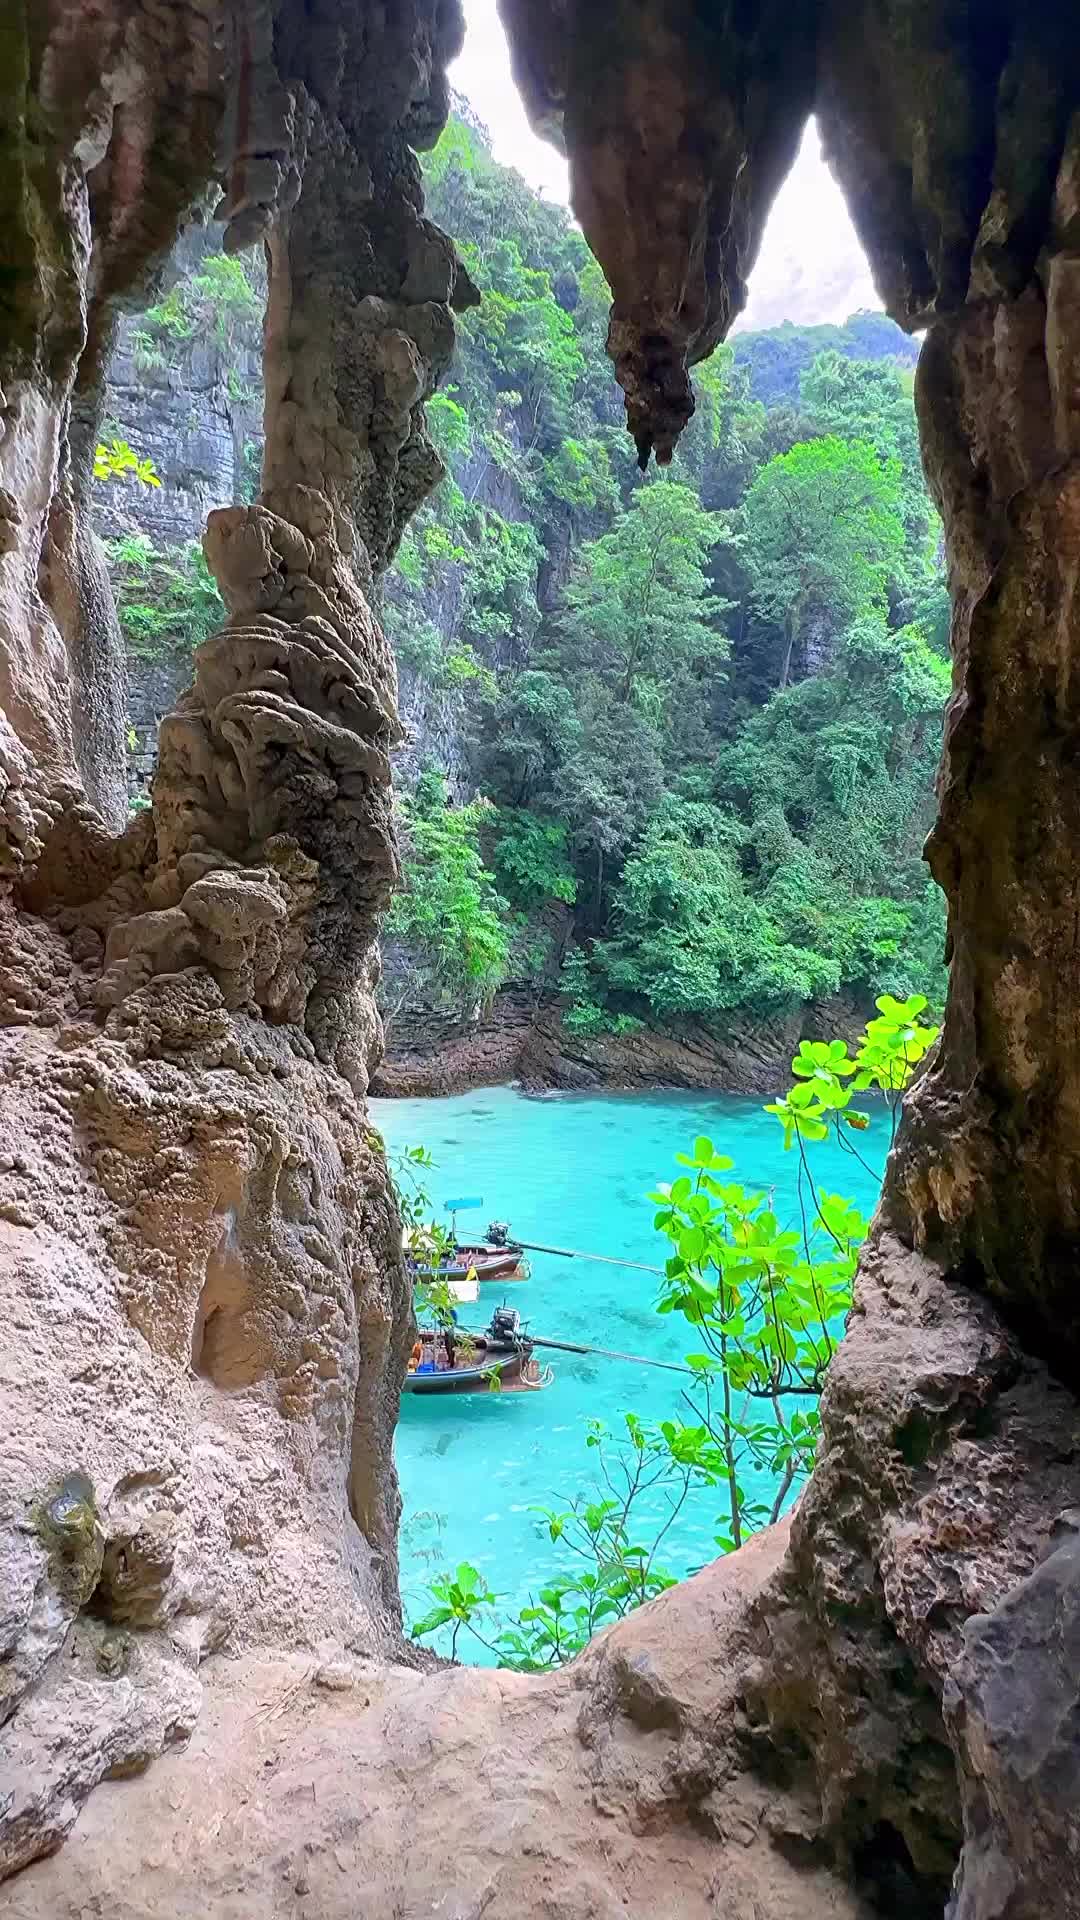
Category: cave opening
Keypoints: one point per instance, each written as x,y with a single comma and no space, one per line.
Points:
178,428
211,965
884,1869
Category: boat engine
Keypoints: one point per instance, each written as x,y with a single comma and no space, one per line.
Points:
498,1233
505,1327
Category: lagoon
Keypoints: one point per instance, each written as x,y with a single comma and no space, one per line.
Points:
572,1170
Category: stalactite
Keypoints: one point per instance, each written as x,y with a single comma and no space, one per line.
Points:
873,1709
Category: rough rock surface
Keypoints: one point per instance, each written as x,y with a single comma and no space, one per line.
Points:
182,408
949,1459
203,1308
355,1793
204,1305
712,102
196,409
433,1053
519,1039
711,1754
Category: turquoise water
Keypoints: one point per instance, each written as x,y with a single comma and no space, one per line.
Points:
571,1170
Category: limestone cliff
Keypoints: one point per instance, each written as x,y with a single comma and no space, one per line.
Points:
203,1294
183,386
203,1308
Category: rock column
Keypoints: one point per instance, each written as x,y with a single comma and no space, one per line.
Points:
200,1266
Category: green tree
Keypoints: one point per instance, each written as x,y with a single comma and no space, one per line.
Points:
638,610
530,860
450,911
724,444
499,608
822,535
221,297
775,360
579,473
872,400
166,597
532,731
689,937
606,790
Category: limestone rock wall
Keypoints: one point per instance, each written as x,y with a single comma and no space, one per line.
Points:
953,132
522,1036
204,1312
201,1285
192,405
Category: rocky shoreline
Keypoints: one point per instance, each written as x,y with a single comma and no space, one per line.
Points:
524,1039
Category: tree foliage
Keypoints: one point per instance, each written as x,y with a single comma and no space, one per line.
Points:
166,597
530,859
705,707
722,688
637,612
449,909
223,297
114,459
774,362
821,535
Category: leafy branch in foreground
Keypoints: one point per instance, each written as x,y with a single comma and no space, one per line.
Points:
425,1241
609,1570
767,1303
114,458
887,1055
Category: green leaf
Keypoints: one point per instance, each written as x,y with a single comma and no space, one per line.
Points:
438,1617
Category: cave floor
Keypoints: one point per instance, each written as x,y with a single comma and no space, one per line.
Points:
357,1791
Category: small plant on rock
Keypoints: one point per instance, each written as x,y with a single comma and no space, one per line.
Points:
114,460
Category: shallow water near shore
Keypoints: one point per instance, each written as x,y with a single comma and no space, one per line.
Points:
571,1170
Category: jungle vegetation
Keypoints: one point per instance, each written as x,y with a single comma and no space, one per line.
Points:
701,709
675,733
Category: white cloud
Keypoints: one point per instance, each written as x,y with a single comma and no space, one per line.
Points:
482,73
810,267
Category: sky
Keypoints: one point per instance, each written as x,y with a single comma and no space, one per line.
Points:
810,266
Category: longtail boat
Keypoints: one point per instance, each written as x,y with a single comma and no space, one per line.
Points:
501,1356
487,1263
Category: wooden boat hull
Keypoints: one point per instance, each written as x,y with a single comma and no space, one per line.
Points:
494,1263
488,1250
510,1366
486,1266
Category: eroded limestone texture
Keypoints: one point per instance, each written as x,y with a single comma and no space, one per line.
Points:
680,121
356,1794
874,1711
927,1558
201,1289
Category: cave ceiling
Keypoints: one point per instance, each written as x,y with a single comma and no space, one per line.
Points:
943,121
